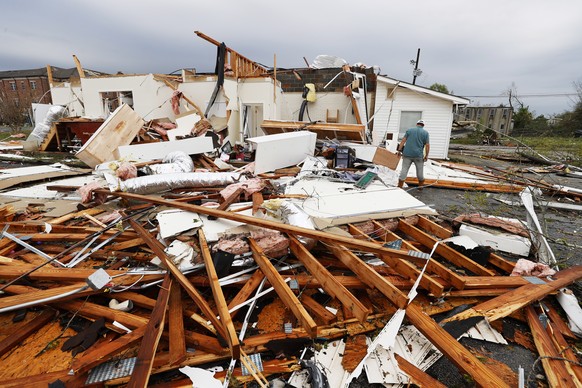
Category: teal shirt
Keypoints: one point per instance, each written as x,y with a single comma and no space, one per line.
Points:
416,139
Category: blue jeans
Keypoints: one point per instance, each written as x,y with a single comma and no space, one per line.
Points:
418,163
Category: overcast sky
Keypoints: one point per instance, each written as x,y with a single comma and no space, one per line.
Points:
476,49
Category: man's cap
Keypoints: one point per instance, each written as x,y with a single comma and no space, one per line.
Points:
420,122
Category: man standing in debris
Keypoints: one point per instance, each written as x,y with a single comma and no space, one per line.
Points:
414,148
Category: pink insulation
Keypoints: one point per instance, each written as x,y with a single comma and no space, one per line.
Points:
250,186
525,267
86,193
126,170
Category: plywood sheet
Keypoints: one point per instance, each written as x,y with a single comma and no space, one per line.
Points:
120,128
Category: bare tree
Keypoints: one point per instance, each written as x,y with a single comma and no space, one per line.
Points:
513,97
14,112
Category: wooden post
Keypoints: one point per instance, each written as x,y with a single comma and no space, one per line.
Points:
79,67
49,74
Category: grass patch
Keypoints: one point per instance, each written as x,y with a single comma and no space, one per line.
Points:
567,150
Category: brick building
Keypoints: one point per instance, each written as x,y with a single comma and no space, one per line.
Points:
24,87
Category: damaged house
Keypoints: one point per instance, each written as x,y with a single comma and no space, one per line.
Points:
175,260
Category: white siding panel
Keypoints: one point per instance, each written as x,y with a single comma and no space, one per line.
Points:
436,112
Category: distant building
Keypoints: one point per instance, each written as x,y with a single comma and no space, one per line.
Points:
31,85
497,118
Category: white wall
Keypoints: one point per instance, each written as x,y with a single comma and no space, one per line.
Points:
68,96
151,98
436,113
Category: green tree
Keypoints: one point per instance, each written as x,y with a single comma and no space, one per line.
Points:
522,120
439,88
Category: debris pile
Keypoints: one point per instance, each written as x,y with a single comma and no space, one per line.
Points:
164,273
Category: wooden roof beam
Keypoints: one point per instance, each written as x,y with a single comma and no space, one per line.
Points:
328,282
369,276
180,277
433,266
452,349
225,318
284,228
406,269
283,290
245,292
556,372
149,344
79,67
176,331
99,354
444,250
516,299
443,233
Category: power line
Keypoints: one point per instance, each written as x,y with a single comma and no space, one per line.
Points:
530,95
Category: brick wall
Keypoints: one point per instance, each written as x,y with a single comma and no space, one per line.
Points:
24,90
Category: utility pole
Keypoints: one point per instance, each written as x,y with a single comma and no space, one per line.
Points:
416,72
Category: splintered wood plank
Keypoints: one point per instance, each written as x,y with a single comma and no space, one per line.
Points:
58,274
184,282
284,228
176,325
37,297
516,299
489,187
444,250
105,351
204,343
19,335
556,372
92,211
328,282
149,344
558,321
225,318
317,309
452,349
283,290
245,292
416,375
369,275
483,282
563,347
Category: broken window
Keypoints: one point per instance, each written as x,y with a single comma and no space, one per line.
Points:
33,85
113,100
12,85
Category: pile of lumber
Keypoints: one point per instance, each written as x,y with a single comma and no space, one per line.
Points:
83,297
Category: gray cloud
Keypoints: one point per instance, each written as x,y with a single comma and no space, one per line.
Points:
474,49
